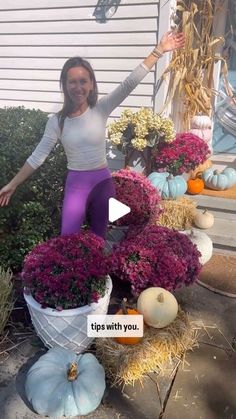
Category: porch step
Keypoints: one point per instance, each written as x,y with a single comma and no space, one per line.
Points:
221,161
223,232
217,204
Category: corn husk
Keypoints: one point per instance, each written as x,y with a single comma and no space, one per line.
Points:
124,364
190,71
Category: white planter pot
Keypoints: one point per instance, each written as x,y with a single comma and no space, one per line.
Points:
66,328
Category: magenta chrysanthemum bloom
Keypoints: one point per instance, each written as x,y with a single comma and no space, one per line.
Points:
158,257
136,191
67,271
185,153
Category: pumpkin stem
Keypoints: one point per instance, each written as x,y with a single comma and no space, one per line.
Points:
191,233
198,175
160,298
205,210
216,172
123,306
72,372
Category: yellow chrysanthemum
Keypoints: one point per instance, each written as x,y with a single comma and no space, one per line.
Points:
139,143
144,122
115,139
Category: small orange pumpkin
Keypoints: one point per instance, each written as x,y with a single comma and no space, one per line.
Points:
128,311
195,186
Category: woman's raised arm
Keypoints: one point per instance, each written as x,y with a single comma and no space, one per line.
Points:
169,42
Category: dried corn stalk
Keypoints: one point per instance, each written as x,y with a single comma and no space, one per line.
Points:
6,303
191,68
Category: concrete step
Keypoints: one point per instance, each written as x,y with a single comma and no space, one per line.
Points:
223,232
224,159
215,203
221,161
224,249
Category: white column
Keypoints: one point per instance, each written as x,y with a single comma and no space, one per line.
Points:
220,16
166,10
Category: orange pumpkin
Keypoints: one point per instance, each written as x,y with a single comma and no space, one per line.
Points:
128,311
195,186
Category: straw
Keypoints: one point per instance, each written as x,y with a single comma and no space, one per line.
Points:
124,364
178,214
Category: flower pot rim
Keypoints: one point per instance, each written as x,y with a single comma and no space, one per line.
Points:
68,312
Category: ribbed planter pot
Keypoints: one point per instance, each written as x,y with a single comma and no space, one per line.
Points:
66,328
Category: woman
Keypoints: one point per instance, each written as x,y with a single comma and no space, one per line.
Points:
80,126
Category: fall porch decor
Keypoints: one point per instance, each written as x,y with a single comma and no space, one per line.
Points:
200,169
203,242
125,310
139,133
190,71
203,219
183,154
178,213
61,383
158,306
125,364
214,179
195,186
202,126
169,186
157,257
65,279
136,191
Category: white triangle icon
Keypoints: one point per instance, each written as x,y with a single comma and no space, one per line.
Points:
117,210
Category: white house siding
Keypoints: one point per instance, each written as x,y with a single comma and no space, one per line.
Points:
36,37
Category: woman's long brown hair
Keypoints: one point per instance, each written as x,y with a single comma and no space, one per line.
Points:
68,104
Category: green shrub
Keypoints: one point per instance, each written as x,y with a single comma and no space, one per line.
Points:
6,300
34,212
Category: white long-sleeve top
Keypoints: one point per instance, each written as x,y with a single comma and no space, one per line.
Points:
83,136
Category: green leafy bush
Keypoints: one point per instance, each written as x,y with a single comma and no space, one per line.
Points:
6,297
34,212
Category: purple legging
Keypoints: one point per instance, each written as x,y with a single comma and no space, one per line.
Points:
87,193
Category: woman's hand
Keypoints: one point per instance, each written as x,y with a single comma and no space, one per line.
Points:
5,194
171,41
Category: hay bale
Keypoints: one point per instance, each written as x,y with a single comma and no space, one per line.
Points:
178,213
6,303
124,364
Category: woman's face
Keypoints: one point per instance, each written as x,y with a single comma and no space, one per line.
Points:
78,85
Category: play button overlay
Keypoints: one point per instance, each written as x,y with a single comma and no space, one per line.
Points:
117,210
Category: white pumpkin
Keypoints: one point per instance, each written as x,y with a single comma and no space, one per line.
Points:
203,243
158,306
200,122
204,219
201,125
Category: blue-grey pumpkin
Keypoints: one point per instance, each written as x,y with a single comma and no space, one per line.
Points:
231,175
214,179
169,186
63,383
